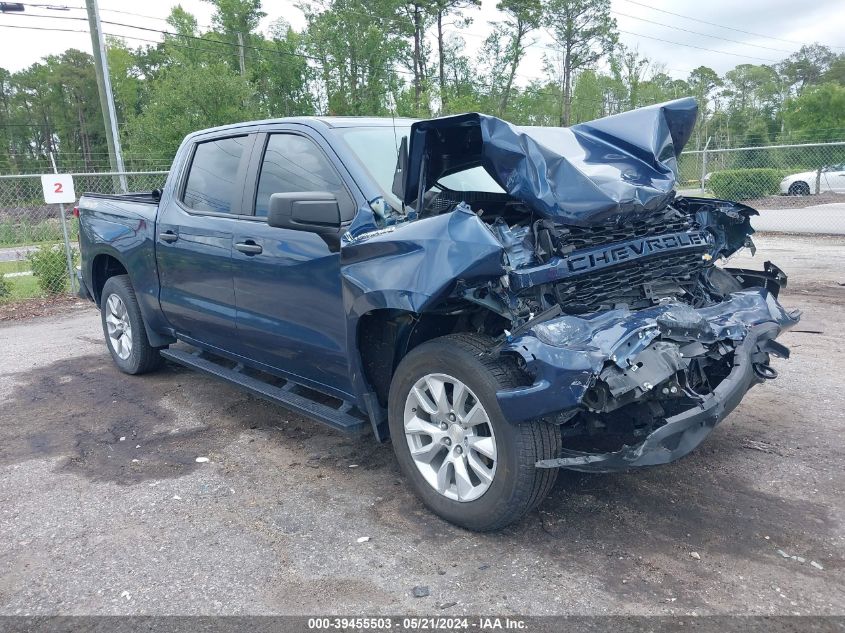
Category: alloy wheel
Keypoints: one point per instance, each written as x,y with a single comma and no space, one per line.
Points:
450,437
119,326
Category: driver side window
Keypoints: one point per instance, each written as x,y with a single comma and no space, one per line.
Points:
294,163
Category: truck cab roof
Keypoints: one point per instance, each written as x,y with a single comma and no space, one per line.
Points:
317,122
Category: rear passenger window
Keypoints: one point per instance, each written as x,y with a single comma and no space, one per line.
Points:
294,163
212,180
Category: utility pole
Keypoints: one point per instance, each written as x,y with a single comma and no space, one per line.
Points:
704,164
241,53
101,65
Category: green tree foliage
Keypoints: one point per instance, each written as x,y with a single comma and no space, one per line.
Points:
819,107
744,184
49,266
588,98
356,46
441,9
184,100
281,76
806,67
583,32
522,18
233,18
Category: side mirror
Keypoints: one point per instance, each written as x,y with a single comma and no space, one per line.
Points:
314,211
401,167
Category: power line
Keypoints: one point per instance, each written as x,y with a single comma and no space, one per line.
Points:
149,17
701,48
544,47
313,58
57,7
721,26
41,28
224,43
716,37
127,37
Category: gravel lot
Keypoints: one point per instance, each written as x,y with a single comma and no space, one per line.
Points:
104,510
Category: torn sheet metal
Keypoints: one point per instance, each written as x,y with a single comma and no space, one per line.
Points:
621,165
728,222
567,354
682,433
414,265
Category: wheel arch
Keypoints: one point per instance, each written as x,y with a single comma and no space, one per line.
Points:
104,266
385,335
108,264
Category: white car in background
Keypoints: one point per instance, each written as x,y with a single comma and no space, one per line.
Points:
832,180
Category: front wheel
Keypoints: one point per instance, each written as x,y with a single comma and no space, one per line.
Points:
123,328
799,189
465,461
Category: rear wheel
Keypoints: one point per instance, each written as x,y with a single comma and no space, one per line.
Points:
123,328
799,188
464,459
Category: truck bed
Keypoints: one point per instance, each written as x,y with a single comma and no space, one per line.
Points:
144,197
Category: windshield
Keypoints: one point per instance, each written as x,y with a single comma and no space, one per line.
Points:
378,147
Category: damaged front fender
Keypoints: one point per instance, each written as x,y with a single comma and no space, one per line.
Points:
416,265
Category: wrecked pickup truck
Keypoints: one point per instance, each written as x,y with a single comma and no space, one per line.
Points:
501,301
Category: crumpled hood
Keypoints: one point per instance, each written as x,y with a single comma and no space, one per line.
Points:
625,164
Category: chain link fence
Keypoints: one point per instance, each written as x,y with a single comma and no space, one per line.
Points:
796,188
33,257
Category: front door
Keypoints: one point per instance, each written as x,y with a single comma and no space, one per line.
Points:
194,243
290,311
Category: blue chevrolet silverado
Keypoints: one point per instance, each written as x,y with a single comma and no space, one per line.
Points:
500,301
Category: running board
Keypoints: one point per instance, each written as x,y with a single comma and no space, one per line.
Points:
337,418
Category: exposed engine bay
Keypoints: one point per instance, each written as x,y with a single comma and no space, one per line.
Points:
666,256
607,290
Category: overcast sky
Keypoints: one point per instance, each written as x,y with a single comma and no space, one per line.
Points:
782,26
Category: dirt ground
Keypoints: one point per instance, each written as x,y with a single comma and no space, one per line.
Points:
40,306
105,510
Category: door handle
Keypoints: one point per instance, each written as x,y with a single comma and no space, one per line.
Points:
250,248
168,236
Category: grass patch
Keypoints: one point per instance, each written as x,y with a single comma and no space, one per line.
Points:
19,266
26,232
22,288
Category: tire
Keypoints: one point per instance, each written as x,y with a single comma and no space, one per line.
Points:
515,485
799,188
123,328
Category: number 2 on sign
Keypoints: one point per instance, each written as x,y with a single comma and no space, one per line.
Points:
58,187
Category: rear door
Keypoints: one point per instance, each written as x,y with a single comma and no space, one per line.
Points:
287,283
194,241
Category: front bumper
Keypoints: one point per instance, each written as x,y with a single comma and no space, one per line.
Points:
682,433
747,322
